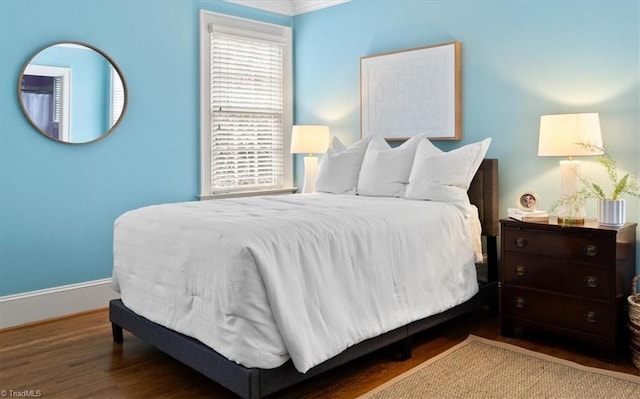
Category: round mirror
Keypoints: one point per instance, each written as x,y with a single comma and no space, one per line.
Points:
72,92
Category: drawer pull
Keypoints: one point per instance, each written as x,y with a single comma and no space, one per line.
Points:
590,250
520,303
591,281
591,317
520,242
521,270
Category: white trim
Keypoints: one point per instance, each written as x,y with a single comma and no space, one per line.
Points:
274,191
257,30
304,6
205,117
53,302
288,7
278,6
72,45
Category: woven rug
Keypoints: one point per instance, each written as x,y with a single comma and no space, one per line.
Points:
481,368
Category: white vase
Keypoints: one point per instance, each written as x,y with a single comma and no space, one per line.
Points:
612,212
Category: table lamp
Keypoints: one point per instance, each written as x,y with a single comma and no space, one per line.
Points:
309,139
560,135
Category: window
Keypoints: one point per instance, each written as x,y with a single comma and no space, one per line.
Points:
246,111
117,97
46,92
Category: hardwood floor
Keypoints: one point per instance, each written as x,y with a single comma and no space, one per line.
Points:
75,357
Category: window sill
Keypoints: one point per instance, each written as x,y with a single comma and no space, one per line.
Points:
235,194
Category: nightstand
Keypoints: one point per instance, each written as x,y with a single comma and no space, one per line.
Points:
573,280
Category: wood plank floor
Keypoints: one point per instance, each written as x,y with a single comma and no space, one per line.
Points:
75,357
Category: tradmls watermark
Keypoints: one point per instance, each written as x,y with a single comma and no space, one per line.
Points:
24,393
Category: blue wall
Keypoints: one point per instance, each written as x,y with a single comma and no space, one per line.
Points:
520,60
58,202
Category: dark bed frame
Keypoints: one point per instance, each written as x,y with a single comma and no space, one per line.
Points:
257,383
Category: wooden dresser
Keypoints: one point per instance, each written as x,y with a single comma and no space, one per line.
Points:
572,281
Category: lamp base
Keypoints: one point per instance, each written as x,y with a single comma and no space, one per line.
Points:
570,221
572,213
310,170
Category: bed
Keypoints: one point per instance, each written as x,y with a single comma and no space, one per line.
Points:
256,382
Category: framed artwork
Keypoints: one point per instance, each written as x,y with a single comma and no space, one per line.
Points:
528,201
411,92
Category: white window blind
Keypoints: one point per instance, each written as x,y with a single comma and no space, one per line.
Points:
247,113
117,96
57,99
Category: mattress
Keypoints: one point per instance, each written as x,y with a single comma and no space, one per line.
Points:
265,279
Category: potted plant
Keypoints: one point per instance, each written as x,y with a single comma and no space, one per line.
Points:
611,207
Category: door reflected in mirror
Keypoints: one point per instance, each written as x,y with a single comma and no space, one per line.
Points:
72,92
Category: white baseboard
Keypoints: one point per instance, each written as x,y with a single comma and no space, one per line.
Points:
45,304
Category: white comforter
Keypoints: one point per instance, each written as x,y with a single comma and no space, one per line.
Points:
260,279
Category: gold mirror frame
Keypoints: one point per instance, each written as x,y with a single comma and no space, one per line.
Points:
116,68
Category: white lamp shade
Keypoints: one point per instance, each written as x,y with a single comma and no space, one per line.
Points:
559,134
310,139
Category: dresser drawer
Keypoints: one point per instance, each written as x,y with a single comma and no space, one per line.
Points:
584,247
571,278
586,316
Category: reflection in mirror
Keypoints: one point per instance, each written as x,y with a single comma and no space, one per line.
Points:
72,92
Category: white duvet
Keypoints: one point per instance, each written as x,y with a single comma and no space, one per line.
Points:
262,279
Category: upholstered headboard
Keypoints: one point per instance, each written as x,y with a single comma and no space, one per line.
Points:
483,193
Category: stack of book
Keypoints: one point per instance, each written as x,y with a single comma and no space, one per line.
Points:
528,216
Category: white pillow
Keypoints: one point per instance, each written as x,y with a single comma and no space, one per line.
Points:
445,176
337,146
427,147
385,170
339,169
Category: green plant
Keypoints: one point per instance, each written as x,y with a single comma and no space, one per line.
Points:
626,185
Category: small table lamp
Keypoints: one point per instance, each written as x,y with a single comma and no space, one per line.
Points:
309,139
559,136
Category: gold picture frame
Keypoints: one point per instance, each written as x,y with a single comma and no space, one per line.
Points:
410,92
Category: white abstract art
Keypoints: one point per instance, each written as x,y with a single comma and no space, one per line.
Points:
412,92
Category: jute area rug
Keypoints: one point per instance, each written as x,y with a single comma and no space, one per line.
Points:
481,368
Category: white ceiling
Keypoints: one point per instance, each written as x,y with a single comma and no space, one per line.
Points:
288,7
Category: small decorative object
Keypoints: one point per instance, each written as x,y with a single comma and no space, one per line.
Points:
528,216
612,212
528,201
526,211
611,208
